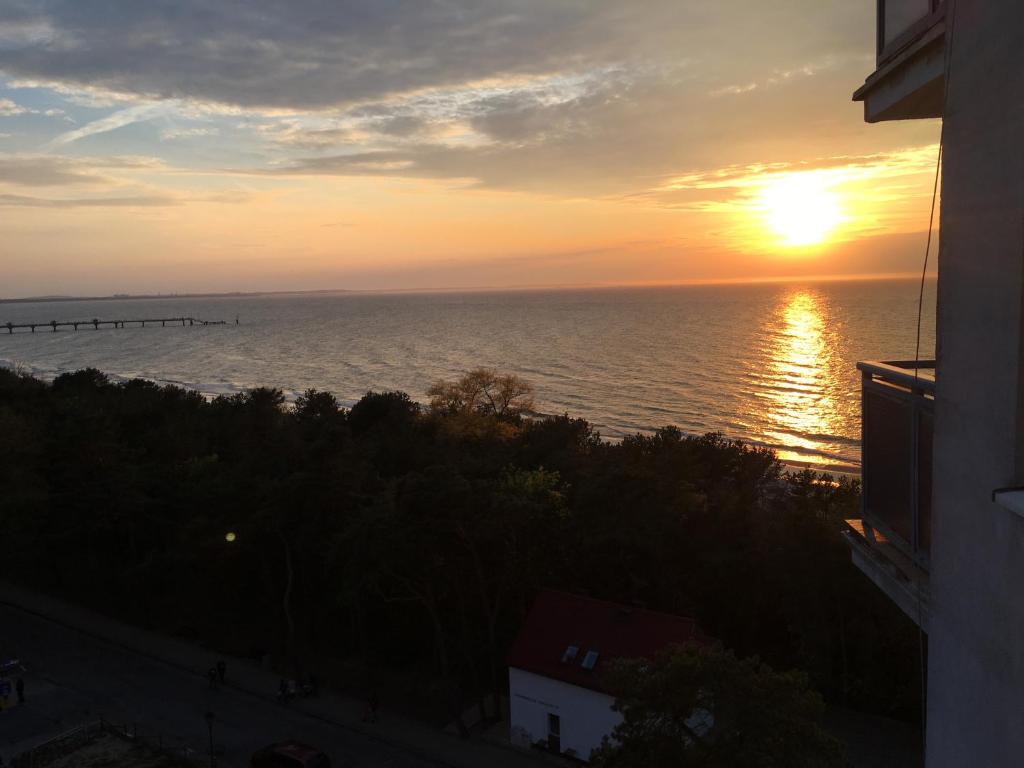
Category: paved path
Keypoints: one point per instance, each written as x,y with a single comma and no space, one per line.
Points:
82,666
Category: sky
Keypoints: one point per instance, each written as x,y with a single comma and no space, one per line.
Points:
200,145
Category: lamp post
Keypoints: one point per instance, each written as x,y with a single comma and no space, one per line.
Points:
209,727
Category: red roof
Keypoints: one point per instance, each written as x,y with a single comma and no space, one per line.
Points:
559,622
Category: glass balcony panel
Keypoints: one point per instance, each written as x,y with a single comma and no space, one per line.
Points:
925,432
898,401
901,15
887,432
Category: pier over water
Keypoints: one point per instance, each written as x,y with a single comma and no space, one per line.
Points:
95,323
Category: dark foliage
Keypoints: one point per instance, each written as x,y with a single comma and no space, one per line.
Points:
417,539
704,708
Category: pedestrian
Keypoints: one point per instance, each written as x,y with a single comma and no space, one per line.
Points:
372,705
222,670
19,686
211,676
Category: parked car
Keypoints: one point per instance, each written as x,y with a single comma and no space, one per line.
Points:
289,754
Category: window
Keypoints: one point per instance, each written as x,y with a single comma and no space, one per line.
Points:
570,654
590,660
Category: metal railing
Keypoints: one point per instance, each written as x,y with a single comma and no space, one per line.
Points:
897,423
155,741
901,21
57,747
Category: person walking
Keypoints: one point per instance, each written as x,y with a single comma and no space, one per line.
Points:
211,676
19,687
222,670
372,706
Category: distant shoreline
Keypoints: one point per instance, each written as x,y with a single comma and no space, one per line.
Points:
168,296
465,289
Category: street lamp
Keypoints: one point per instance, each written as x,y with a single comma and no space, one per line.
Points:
209,727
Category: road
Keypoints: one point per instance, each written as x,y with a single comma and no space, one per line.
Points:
74,678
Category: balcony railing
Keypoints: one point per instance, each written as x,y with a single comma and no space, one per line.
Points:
900,22
898,412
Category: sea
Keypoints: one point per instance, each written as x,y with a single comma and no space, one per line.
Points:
773,364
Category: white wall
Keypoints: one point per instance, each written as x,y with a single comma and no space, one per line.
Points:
976,634
586,716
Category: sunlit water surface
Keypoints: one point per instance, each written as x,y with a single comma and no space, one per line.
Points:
773,364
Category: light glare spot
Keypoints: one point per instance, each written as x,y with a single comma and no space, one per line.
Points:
801,209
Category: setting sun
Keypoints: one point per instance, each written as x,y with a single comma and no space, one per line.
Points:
801,209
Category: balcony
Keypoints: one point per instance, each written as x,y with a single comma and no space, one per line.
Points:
892,540
908,80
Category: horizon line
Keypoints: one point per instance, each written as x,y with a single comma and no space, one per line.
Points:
476,288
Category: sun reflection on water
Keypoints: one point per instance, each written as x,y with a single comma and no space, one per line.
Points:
800,393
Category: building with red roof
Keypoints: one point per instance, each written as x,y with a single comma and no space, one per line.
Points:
556,693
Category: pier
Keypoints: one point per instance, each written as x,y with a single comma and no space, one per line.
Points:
53,325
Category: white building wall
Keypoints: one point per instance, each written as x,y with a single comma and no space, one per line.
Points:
976,633
586,716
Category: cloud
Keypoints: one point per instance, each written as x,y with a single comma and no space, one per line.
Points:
52,171
175,133
312,138
317,54
839,169
9,108
136,199
112,122
383,163
26,201
571,97
870,194
44,172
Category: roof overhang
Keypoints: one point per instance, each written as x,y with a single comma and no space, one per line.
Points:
909,84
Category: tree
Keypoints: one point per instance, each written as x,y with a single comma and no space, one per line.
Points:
360,529
389,411
701,706
313,405
514,547
483,391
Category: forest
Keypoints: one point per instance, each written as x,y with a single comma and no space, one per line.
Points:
393,541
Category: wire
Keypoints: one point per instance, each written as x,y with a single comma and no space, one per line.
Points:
951,19
927,251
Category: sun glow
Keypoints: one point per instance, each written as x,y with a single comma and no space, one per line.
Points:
801,208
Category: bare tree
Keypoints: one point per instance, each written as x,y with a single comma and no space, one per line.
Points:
483,390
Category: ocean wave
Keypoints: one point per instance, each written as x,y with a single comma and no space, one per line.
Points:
627,361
